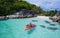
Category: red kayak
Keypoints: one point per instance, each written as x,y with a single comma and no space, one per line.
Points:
28,27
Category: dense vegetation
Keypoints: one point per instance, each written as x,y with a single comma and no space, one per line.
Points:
12,6
53,12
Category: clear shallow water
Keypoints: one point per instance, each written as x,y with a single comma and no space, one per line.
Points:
14,28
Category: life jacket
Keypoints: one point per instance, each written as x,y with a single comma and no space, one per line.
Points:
32,25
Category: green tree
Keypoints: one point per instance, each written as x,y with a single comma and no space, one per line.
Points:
52,12
8,7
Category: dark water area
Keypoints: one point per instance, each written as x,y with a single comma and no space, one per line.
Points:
59,23
31,31
48,22
3,19
52,28
43,26
34,20
52,24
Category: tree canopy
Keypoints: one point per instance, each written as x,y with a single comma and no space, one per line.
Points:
8,7
12,6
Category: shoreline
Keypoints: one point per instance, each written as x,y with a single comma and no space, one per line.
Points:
9,17
15,16
54,19
42,17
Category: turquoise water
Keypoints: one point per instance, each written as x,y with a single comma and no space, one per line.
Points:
14,28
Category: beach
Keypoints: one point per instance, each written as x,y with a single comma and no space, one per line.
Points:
43,17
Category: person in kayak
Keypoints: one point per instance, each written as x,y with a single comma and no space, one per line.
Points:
29,26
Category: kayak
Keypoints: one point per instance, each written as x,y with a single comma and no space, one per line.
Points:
28,27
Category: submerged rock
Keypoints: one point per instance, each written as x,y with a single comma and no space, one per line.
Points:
42,26
55,18
52,24
34,20
47,22
52,28
59,23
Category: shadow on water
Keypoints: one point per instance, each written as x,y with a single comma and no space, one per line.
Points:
3,19
31,30
42,26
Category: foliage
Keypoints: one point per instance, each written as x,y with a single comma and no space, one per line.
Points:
8,7
12,6
52,12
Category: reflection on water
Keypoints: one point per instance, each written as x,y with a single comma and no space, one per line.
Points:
3,19
31,30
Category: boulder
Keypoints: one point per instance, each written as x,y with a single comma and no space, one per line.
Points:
55,18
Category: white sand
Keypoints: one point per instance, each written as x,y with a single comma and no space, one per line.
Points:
43,17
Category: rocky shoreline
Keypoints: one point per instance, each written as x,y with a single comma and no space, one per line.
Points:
23,13
14,16
55,18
